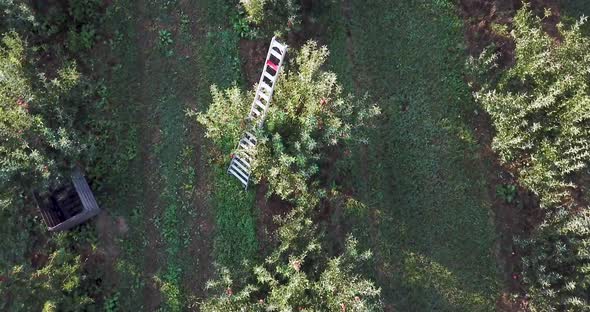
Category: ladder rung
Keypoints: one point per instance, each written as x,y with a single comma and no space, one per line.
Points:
265,86
248,143
254,110
264,96
244,161
237,169
275,44
237,175
272,65
250,137
257,102
276,54
269,76
242,167
268,72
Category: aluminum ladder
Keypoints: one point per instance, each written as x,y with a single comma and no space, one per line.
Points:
240,164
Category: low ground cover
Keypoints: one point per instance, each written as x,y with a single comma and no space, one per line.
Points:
424,168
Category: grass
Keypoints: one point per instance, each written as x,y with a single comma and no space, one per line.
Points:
168,55
235,238
428,207
427,196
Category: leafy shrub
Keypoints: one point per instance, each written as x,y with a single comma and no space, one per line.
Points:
165,42
84,11
254,9
242,26
61,284
541,108
507,192
81,40
557,271
541,111
36,122
15,15
298,276
271,16
82,31
308,115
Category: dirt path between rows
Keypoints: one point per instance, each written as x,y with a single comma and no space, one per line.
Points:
149,137
202,225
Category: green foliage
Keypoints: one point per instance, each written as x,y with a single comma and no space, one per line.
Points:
15,15
37,118
82,22
165,41
270,16
572,10
81,40
541,111
242,27
77,19
235,239
299,276
254,9
308,115
112,304
557,270
225,119
62,283
84,11
507,192
42,136
541,108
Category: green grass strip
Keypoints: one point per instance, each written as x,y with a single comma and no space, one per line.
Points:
426,192
235,218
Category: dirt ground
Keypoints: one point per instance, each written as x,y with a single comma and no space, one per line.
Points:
147,197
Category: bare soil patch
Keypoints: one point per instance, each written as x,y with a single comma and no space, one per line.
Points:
511,219
252,54
268,209
150,136
109,230
201,246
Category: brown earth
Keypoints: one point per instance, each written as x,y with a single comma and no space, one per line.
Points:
252,54
199,251
268,210
202,225
150,136
109,230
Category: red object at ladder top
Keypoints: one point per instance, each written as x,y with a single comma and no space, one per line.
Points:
272,65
